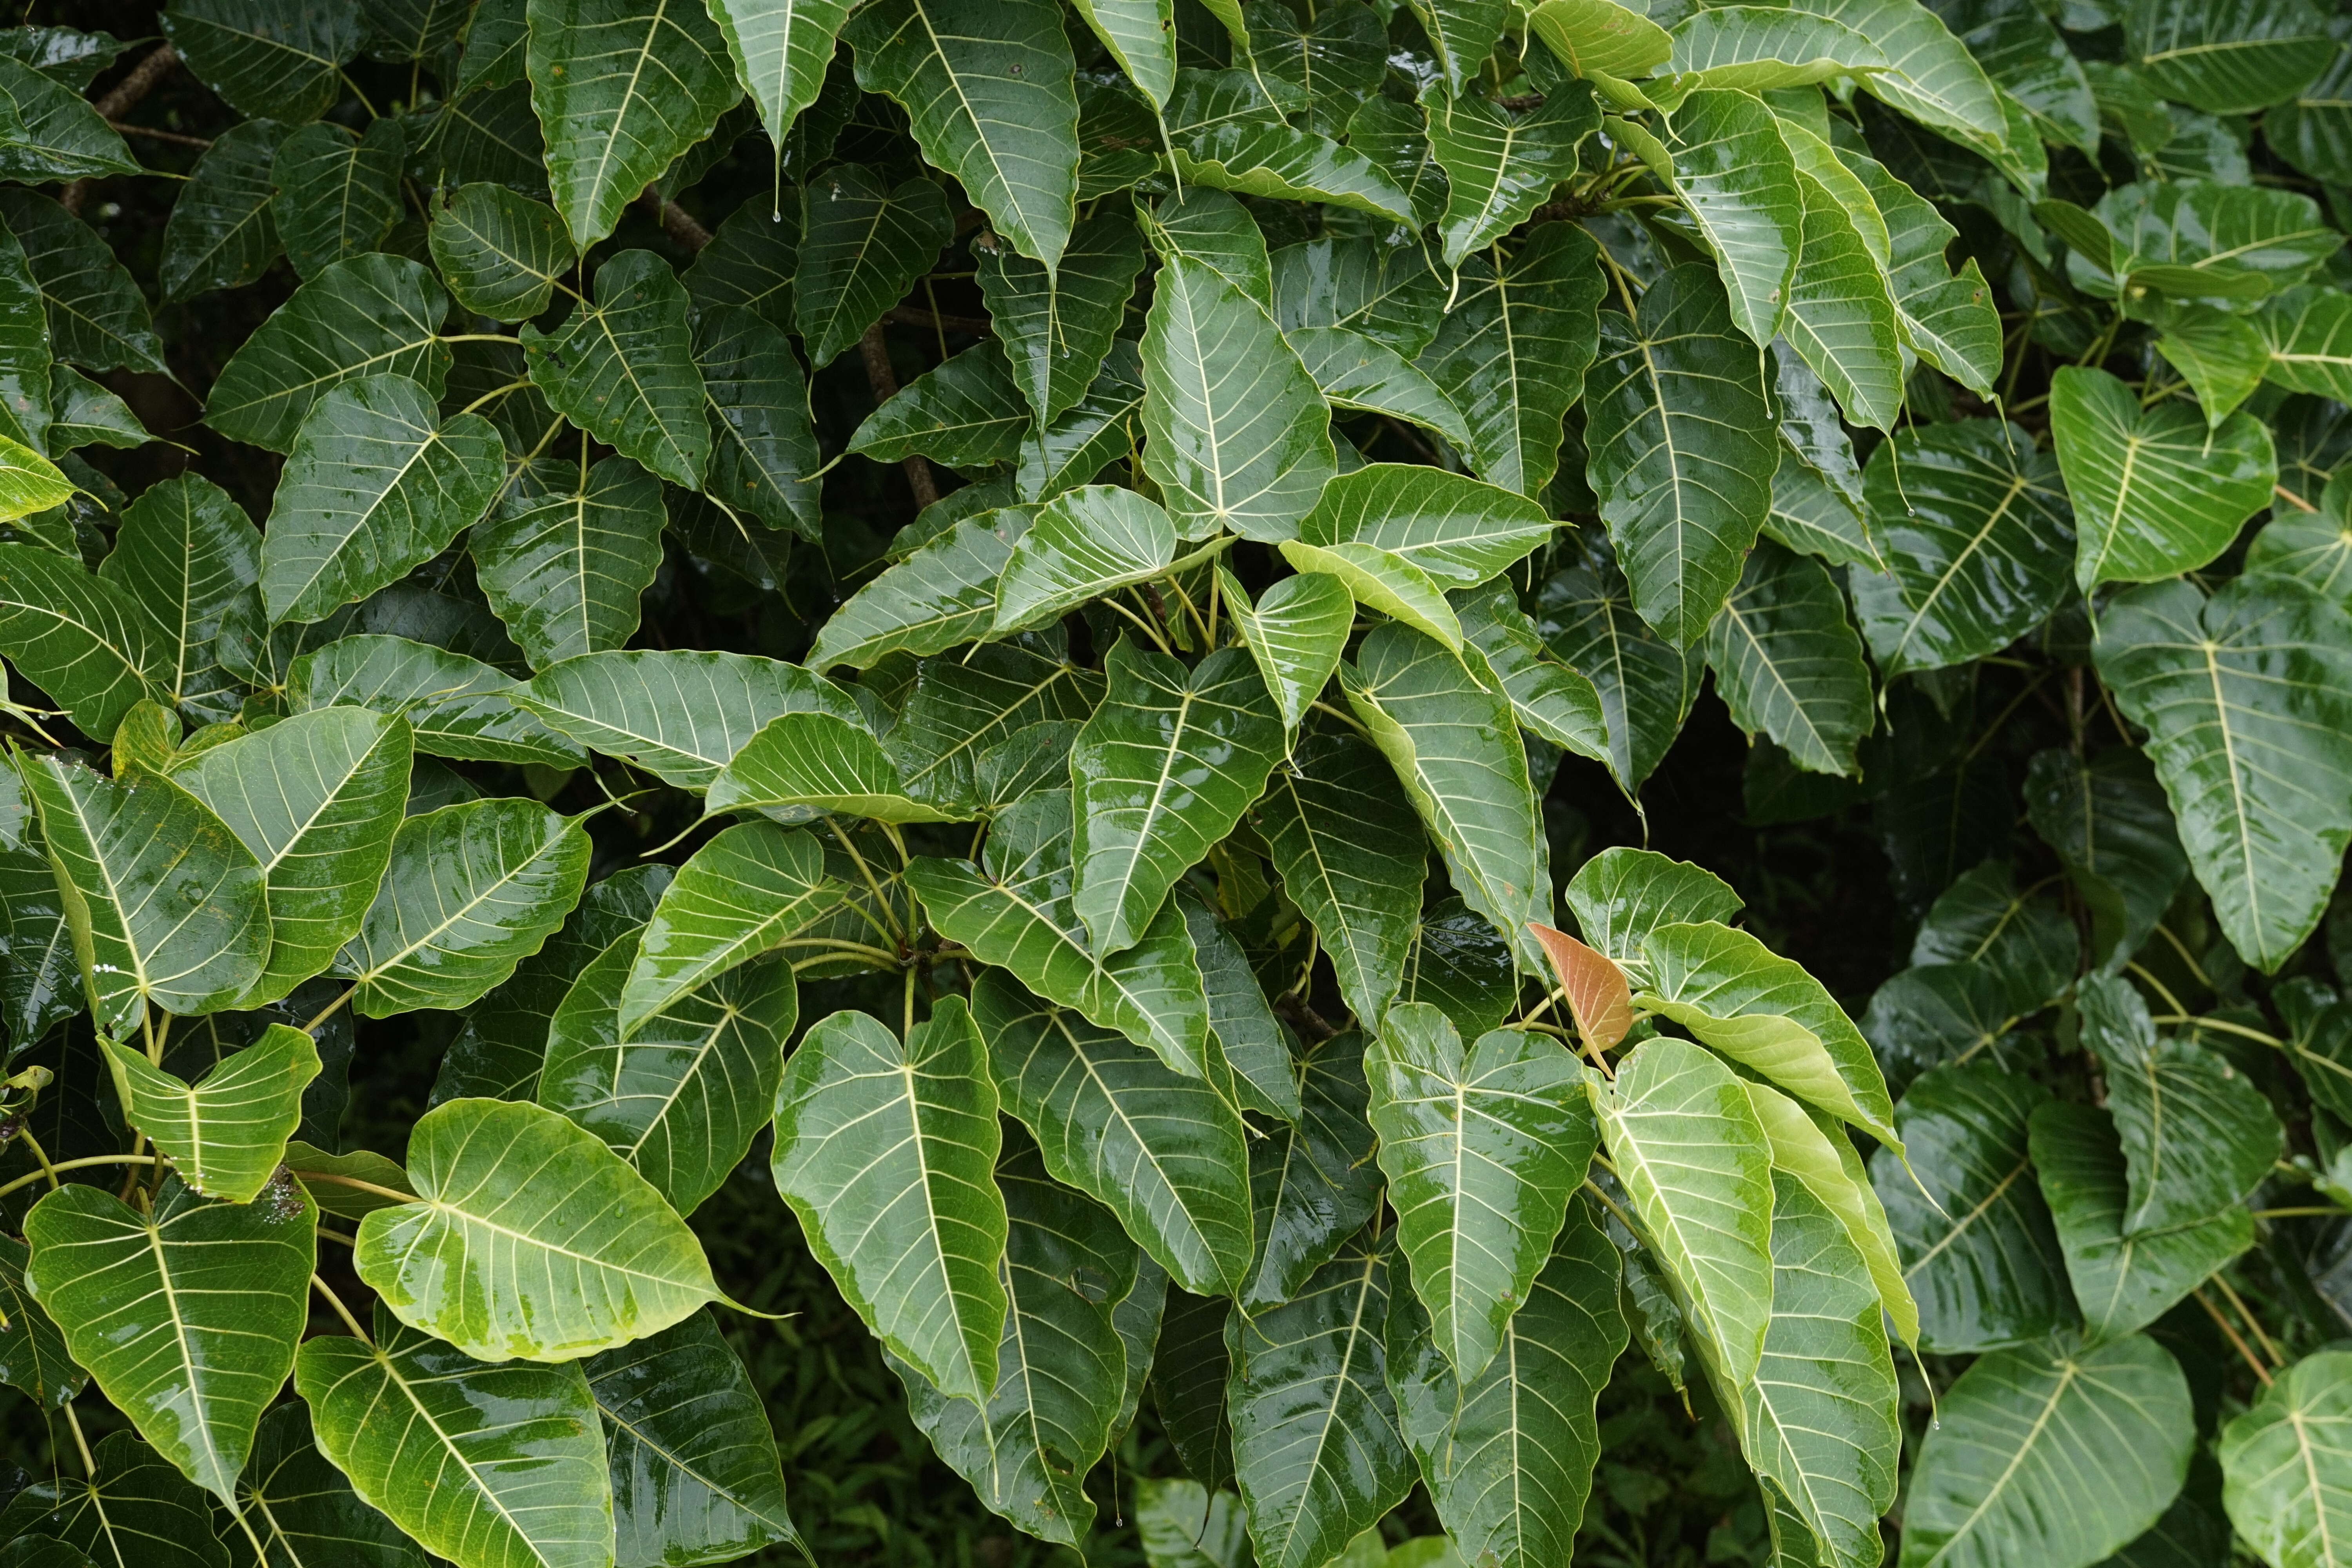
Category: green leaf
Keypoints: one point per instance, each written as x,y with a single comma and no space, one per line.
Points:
2203,239
623,87
863,245
2307,332
2156,493
2123,1282
1756,49
1142,37
1239,436
2242,698
371,315
500,252
2108,821
1600,37
497,1464
2025,941
1978,1249
1056,326
1020,913
1083,544
1508,1456
1315,1427
338,194
300,1503
887,1155
762,443
1842,316
1226,134
471,891
1482,1147
1355,373
1682,437
680,714
41,983
33,1354
1645,684
1351,857
564,570
1384,580
623,368
1809,1147
1162,771
56,135
1253,1063
2024,55
1934,80
1188,1384
456,706
1182,1525
1312,1182
377,484
2282,1464
943,594
1296,631
1500,164
278,60
1460,966
33,483
1091,435
1741,188
164,904
1766,1013
1457,531
86,414
1513,349
188,1315
98,318
1210,227
511,1196
2315,546
694,1469
780,49
741,894
1948,318
1788,663
988,88
83,639
1553,700
1456,748
964,708
1162,1151
135,1510
1062,1364
1975,527
1693,1158
2221,60
1621,895
1388,294
681,1095
226,1136
966,413
803,763
751,260
2050,1454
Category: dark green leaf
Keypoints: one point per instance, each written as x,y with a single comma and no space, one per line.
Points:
2223,59
863,243
279,59
500,253
1388,294
97,317
966,413
1314,1183
455,706
1057,325
623,369
338,194
741,894
54,134
762,447
33,1354
136,1511
565,569
304,1509
372,315
1296,631
2156,492
680,714
1645,684
1501,164
2107,819
1788,662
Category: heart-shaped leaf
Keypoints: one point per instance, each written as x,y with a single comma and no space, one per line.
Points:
499,252
738,895
564,570
227,1134
623,368
85,639
2156,492
862,242
2282,1464
1086,543
1296,631
455,706
371,315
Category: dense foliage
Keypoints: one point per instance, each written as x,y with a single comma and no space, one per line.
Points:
706,700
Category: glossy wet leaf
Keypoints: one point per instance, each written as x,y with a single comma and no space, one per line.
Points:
965,412
1947,318
1312,1183
1392,296
1644,685
370,315
1457,531
57,135
1056,325
680,714
33,1359
2156,492
1740,186
501,1463
454,706
1360,373
780,49
85,639
136,1509
2108,821
944,593
189,558
226,1134
1086,543
1229,135
1296,631
1501,164
1788,662
762,446
276,61
499,252
305,1508
622,368
2284,1463
1842,315
565,569
338,194
96,316
186,1315
862,242
738,895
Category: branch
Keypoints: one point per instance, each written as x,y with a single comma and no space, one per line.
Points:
916,316
120,100
676,221
885,382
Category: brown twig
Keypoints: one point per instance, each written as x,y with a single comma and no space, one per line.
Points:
916,316
676,221
153,134
119,100
885,382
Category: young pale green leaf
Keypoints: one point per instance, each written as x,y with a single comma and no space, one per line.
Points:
622,87
1508,1456
1057,324
564,570
530,1239
2156,492
2050,1454
189,558
1621,895
33,1355
2122,1283
1239,436
1482,1147
1682,437
135,1507
276,61
1740,184
694,1469
1756,49
499,252
680,1096
1979,1253
97,317
1513,349
1456,748
1352,857
1319,1458
471,891
376,485
1501,164
1296,631
1597,38
1695,1161
988,87
1388,294
1383,581
943,594
338,194
887,1154
763,447
83,638
165,906
1019,912
780,49
1162,771
2283,1463
1809,1147
1312,1183
188,1315
1975,526
1455,530
1645,686
1086,544
965,412
455,706
623,368
1766,1013
2243,698
226,1135
1162,1151
741,894
1787,661
863,243
681,714
1142,37
1358,372
1226,134
497,1464
801,764
300,1503
371,315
